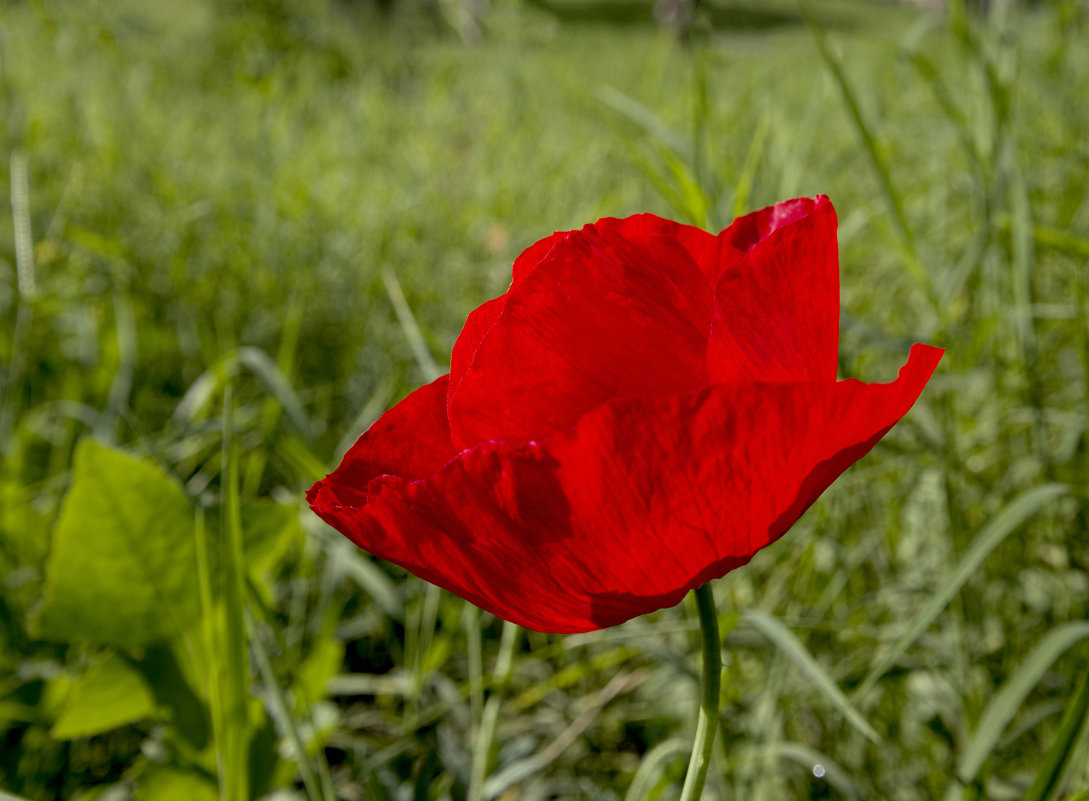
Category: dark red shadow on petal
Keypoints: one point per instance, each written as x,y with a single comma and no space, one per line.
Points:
478,528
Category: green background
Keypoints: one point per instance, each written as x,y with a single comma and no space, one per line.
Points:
234,233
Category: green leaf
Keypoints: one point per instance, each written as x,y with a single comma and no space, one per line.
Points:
123,558
783,639
110,694
163,783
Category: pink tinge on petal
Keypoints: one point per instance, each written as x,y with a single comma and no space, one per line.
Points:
746,232
777,310
639,502
601,317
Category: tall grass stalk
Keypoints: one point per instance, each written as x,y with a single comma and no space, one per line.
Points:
314,773
878,160
484,745
236,728
1053,766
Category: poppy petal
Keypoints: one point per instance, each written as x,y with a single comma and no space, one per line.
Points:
777,310
748,231
531,257
482,319
703,247
639,502
411,440
600,317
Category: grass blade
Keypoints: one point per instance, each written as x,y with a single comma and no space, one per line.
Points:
519,771
877,159
351,563
1008,701
997,529
24,239
236,693
424,360
1048,779
262,366
745,180
273,405
203,389
213,669
646,119
654,763
485,736
371,411
783,639
1060,241
474,648
811,759
319,789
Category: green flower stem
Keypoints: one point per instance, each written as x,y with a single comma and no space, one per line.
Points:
707,722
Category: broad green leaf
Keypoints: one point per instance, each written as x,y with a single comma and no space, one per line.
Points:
123,557
164,783
783,639
110,694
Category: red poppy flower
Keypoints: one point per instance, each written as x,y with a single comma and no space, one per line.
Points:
646,407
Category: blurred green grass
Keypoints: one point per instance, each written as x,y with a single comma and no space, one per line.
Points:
213,196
